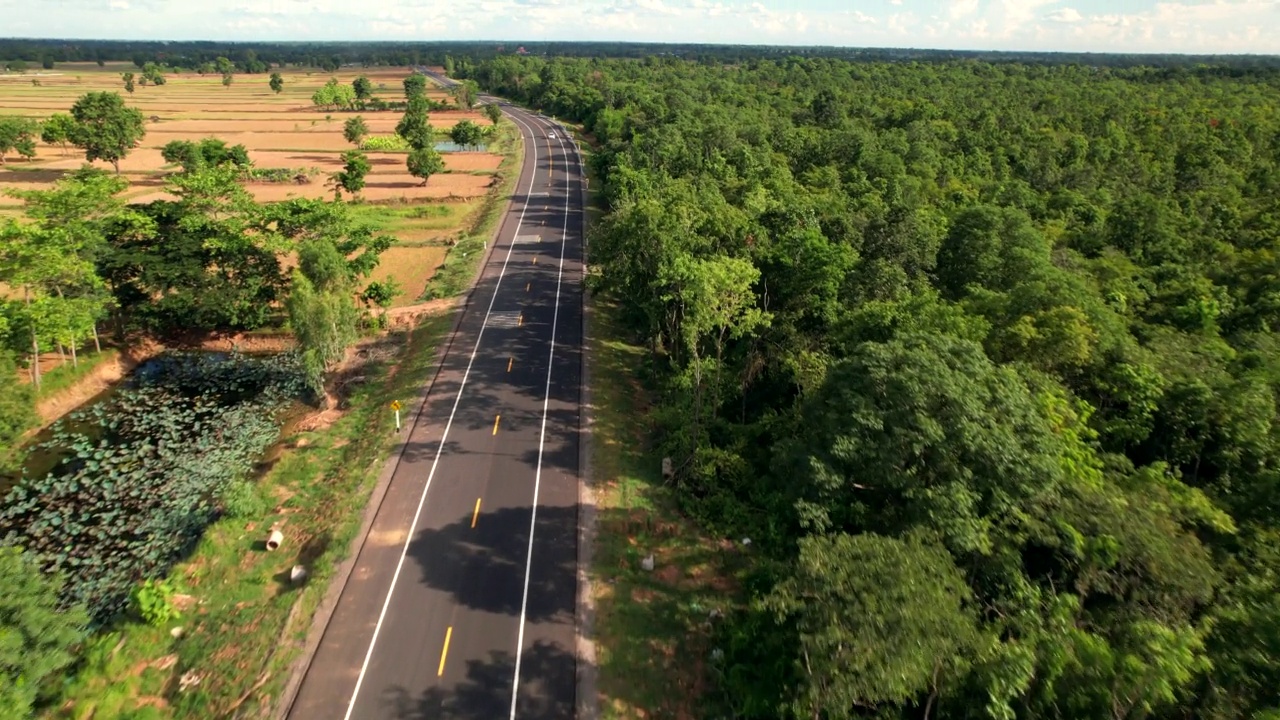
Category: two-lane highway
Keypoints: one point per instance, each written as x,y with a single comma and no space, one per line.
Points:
461,601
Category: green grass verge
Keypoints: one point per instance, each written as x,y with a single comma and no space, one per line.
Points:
243,622
67,375
460,265
651,629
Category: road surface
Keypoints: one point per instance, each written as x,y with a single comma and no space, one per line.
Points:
461,602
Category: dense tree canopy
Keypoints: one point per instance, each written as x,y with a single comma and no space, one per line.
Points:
984,357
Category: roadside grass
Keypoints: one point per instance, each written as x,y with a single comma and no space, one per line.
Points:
243,622
652,629
463,260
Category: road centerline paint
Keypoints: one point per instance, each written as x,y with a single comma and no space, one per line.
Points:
510,361
542,439
413,525
495,424
444,654
475,515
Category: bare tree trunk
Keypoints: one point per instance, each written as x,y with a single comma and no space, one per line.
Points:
35,344
75,362
62,352
933,693
97,346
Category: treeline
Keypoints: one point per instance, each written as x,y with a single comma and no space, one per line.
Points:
259,57
982,357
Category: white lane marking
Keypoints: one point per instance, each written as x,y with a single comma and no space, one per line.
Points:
377,628
537,477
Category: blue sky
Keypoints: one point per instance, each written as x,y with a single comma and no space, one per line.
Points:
1190,26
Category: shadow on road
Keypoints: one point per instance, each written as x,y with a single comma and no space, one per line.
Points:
483,567
546,690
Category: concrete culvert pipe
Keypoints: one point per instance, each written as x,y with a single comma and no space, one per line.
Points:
274,540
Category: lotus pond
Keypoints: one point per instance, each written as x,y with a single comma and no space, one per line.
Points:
118,491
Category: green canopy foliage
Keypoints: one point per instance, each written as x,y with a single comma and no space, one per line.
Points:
983,356
105,128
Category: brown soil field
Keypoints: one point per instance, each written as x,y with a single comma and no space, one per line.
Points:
270,126
280,131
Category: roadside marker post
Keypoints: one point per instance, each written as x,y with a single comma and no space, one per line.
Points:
395,405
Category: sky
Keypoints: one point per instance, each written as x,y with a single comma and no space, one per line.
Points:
1179,26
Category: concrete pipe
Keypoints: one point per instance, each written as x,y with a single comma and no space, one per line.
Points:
275,539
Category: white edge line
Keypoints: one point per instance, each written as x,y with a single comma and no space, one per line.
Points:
377,628
537,477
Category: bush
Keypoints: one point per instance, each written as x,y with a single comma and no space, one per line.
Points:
280,175
153,602
241,499
384,143
36,636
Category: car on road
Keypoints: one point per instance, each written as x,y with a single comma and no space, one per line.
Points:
551,135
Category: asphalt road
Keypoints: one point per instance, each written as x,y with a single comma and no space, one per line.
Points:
461,602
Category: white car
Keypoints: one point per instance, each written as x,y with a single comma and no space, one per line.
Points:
551,135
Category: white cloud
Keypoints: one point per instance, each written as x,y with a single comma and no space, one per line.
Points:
962,8
1129,25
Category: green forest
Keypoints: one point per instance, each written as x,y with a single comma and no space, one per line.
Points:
982,357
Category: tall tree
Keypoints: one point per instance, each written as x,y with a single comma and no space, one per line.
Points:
415,86
56,130
493,112
424,162
879,621
415,126
466,133
17,133
355,166
105,128
465,93
276,83
363,88
354,130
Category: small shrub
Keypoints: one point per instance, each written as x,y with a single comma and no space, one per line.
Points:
384,143
241,499
153,601
429,211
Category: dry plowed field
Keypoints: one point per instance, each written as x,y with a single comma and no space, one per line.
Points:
279,131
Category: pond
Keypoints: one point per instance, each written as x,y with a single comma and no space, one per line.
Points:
120,489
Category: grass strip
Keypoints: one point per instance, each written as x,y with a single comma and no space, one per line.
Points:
68,375
652,629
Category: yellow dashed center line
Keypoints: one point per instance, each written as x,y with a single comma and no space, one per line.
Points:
535,259
520,320
527,286
475,515
444,654
510,362
495,424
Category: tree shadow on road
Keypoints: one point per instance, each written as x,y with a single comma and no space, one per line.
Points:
483,567
547,682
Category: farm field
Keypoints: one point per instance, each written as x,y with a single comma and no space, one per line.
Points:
279,131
